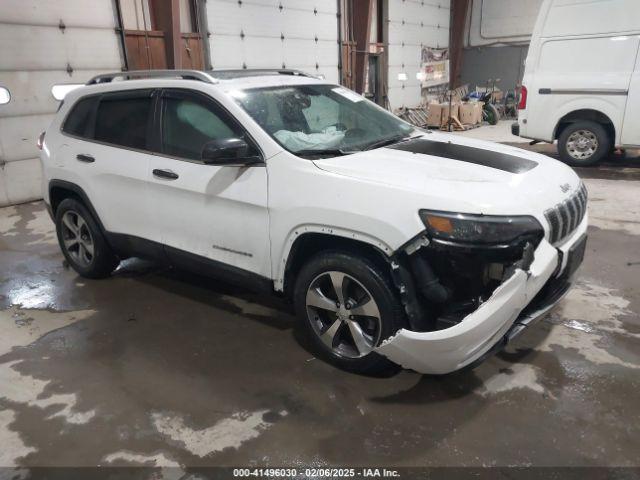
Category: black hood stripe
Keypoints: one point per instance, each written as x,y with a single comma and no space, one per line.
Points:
462,153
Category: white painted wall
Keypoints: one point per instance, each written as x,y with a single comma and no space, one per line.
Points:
34,55
309,28
412,25
492,22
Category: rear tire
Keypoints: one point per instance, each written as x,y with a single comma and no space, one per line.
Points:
345,326
491,113
82,242
584,143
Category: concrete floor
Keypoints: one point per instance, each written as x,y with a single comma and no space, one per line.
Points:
494,133
161,368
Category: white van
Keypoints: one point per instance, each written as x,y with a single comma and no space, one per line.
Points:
581,85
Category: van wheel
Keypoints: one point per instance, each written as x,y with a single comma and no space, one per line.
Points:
82,242
582,144
348,307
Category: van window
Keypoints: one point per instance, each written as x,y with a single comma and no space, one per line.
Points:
122,119
607,56
77,122
189,124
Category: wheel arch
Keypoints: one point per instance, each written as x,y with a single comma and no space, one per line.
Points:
305,242
586,114
60,190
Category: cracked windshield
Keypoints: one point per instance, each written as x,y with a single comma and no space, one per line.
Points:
322,120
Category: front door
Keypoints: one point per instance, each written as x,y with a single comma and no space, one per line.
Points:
217,213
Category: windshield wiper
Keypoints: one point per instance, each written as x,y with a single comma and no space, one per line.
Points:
333,152
390,141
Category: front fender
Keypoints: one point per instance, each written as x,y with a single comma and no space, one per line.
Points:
304,229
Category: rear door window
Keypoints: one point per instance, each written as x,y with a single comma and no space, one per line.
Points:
123,119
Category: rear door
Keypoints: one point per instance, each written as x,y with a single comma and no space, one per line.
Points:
110,156
218,213
631,124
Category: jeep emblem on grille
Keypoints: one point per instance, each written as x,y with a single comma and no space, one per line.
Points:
565,187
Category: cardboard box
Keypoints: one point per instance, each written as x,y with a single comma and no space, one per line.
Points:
467,114
444,119
438,113
434,115
470,113
478,111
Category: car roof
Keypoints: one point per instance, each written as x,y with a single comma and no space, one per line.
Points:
225,80
265,81
253,76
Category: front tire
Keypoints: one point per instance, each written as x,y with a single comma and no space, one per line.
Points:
347,307
583,144
82,242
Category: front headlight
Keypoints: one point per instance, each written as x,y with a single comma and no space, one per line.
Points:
485,229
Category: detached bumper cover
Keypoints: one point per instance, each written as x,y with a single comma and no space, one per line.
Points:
496,321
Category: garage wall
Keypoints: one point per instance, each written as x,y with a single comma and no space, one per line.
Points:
297,34
494,22
497,41
505,62
412,25
43,43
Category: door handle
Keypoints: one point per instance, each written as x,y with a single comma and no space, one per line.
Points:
168,174
85,158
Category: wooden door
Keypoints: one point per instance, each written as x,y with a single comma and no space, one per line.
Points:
192,56
145,49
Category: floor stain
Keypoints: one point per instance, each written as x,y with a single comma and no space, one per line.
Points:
157,367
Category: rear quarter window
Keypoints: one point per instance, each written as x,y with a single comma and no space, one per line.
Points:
78,120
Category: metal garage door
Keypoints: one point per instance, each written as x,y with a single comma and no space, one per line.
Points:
42,44
412,25
298,34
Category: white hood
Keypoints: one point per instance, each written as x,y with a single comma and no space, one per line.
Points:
470,187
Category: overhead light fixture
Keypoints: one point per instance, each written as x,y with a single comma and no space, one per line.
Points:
60,91
5,96
402,77
421,76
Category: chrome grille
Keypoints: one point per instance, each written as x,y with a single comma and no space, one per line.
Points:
565,217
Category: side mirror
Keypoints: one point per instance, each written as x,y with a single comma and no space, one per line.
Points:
228,151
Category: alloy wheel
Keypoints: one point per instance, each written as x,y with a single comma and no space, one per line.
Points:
343,314
77,238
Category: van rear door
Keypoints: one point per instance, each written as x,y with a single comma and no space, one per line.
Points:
631,124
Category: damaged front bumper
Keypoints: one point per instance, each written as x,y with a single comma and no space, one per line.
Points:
521,299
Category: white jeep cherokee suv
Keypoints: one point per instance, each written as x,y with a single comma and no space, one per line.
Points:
396,245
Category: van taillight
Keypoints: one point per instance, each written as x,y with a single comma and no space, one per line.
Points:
40,141
522,104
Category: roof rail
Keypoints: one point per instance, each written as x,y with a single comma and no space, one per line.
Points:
137,74
249,72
